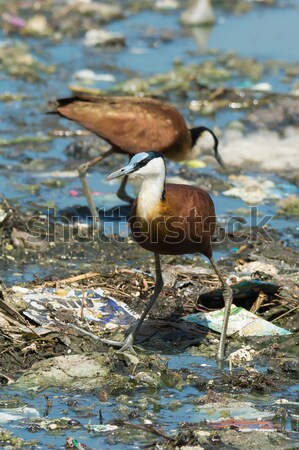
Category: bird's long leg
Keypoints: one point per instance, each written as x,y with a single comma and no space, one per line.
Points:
228,299
127,344
82,169
121,193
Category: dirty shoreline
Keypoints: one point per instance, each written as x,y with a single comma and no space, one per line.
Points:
63,289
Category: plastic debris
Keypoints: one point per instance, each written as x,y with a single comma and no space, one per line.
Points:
167,4
90,75
247,269
74,193
244,424
233,409
3,214
263,87
9,414
263,150
241,357
194,164
73,443
256,189
98,307
15,21
243,290
241,321
95,38
101,428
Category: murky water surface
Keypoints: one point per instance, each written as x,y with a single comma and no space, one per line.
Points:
164,408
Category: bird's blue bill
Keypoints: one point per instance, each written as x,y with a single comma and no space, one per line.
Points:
126,170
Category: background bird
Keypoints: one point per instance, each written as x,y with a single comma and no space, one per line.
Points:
170,219
132,125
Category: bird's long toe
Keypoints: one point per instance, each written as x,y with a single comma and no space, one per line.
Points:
124,346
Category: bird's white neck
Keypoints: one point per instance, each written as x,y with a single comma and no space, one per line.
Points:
150,194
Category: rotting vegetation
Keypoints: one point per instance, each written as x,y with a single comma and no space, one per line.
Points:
187,290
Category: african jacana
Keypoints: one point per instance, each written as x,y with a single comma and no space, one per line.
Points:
132,125
170,219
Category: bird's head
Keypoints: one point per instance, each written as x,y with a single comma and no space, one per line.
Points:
142,165
206,142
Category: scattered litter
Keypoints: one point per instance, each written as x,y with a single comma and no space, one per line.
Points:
74,193
90,75
37,25
233,409
96,37
172,271
262,87
247,269
167,4
194,163
73,443
244,424
241,321
9,414
241,357
256,189
101,428
263,150
96,306
3,214
15,21
59,174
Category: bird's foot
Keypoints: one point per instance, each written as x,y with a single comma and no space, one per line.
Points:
125,346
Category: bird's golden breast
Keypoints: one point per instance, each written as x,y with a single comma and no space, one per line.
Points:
183,223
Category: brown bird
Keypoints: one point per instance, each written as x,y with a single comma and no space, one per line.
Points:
170,219
132,125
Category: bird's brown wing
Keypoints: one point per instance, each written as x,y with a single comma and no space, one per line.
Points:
131,124
184,223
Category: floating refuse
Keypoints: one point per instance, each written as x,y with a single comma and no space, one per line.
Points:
101,428
257,189
103,38
10,414
233,409
241,321
244,424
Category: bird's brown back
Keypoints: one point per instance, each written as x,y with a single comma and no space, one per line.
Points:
183,223
130,124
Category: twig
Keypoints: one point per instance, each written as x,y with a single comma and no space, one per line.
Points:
12,208
148,428
258,302
82,304
9,380
84,276
286,313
